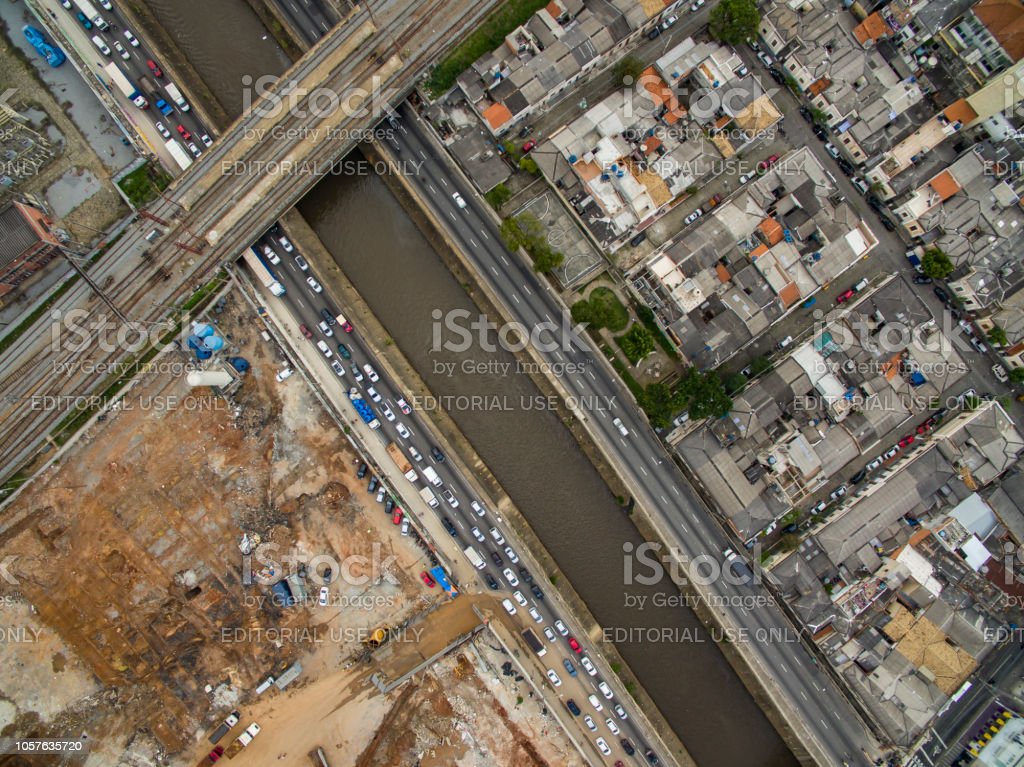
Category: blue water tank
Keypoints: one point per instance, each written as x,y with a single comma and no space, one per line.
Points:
241,364
203,354
572,159
213,343
201,329
195,342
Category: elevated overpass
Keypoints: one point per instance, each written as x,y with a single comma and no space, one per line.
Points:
266,161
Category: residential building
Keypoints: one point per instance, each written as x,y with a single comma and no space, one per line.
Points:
760,253
988,38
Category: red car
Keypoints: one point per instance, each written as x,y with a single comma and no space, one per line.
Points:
907,440
216,754
184,133
529,145
846,296
397,517
346,326
157,71
425,577
575,646
927,425
305,331
766,164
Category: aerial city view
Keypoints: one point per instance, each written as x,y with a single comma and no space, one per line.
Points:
512,383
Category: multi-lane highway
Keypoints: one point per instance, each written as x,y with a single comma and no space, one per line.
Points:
311,18
638,454
471,519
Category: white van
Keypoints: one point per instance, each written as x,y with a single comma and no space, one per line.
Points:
98,42
154,234
325,349
431,476
428,495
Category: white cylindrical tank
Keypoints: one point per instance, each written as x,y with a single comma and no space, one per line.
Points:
209,378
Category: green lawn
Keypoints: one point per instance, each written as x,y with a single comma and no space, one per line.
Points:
486,37
143,183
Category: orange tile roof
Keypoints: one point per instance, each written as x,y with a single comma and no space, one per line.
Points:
497,115
587,170
921,535
960,111
944,185
790,294
1005,20
873,27
662,95
723,273
722,121
651,144
554,8
772,230
819,85
891,367
760,250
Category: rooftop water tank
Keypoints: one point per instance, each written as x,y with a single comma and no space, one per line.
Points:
218,378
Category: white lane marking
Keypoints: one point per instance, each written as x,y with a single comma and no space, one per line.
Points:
684,528
299,302
515,298
675,489
443,182
783,667
623,442
423,155
643,471
591,374
472,242
431,187
325,27
452,215
484,234
836,716
803,695
558,354
506,261
823,724
527,290
495,271
663,499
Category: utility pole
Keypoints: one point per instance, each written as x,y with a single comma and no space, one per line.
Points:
73,260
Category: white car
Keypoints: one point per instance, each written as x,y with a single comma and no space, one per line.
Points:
372,394
510,577
520,599
356,372
595,702
729,555
509,607
402,431
133,41
550,634
537,617
301,263
873,464
325,328
669,22
284,374
831,149
286,244
380,494
1000,373
497,536
606,691
560,627
620,711
696,6
475,531
614,728
603,747
554,679
371,373
458,199
588,665
338,368
162,130
325,349
405,525
403,405
589,721
314,285
765,59
416,455
475,506
194,149
271,256
512,555
207,141
122,51
324,596
449,498
387,412
693,216
621,427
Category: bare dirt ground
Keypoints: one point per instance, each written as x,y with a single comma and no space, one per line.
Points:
131,620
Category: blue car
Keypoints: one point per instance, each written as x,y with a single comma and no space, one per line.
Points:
84,19
53,55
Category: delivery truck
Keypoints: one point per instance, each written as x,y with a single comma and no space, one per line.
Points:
176,97
124,85
474,557
242,740
428,495
401,462
431,476
534,642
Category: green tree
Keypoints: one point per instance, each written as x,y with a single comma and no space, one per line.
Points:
936,264
735,383
734,21
760,365
1017,375
583,313
997,336
659,402
628,67
529,165
637,342
498,196
704,395
545,258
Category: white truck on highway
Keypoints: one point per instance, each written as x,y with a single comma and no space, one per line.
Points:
428,495
262,272
474,557
91,13
176,97
124,85
178,154
431,476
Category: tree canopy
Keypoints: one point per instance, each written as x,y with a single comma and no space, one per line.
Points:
936,264
734,21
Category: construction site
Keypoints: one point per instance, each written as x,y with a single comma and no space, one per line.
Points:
136,613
